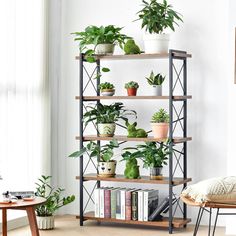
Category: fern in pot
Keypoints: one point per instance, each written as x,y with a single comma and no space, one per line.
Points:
106,117
156,18
156,82
105,154
54,201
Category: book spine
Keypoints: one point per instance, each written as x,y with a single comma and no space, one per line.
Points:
118,205
128,205
140,206
113,203
145,206
122,203
101,198
107,203
96,203
134,208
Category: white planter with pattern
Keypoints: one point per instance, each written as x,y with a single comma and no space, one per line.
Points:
45,222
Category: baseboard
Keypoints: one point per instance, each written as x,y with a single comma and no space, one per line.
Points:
16,223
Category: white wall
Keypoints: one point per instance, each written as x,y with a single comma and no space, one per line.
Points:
203,34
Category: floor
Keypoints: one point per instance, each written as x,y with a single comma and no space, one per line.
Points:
69,226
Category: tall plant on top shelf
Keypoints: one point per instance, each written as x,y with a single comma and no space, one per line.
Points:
156,18
106,116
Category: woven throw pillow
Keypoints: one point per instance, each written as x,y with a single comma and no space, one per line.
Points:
221,189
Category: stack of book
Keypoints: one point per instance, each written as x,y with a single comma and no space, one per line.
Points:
125,203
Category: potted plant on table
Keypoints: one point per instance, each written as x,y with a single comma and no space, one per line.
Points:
132,88
154,157
156,17
104,39
160,124
54,201
106,166
106,117
156,82
107,89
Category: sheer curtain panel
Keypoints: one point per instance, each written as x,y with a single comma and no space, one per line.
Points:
24,94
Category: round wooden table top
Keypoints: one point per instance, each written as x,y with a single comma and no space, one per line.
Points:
23,203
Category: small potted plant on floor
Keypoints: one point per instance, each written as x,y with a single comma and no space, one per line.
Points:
104,39
106,166
156,17
54,201
154,157
107,89
156,82
132,88
106,117
160,124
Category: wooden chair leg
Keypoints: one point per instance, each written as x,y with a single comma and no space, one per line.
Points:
4,222
32,221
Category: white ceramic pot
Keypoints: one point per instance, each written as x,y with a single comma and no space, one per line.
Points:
156,43
45,222
105,49
107,169
107,129
107,92
157,90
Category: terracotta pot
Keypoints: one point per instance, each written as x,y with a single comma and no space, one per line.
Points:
106,169
156,173
160,130
107,92
106,129
45,222
132,91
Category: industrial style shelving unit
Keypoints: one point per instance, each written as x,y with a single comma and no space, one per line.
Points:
178,144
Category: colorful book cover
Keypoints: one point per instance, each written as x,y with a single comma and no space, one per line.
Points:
128,210
107,203
113,202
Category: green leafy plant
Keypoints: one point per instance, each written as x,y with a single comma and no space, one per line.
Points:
152,155
160,117
156,17
104,114
155,79
105,152
53,197
106,85
132,84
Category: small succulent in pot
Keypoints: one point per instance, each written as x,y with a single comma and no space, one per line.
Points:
107,89
106,166
160,124
132,88
156,82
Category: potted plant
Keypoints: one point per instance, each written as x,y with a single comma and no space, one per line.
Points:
104,39
160,124
54,201
106,166
132,88
156,82
131,167
154,157
107,89
156,17
106,117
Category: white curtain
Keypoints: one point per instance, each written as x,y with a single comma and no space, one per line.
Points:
24,94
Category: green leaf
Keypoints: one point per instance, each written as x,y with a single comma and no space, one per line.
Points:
78,153
105,69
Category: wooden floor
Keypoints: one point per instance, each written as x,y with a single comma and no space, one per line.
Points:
69,226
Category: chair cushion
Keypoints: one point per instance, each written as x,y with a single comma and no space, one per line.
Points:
221,189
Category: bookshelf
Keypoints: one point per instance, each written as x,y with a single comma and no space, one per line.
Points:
171,181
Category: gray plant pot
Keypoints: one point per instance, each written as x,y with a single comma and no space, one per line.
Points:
105,49
157,90
156,173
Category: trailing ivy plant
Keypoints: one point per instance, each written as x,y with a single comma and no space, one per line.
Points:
156,17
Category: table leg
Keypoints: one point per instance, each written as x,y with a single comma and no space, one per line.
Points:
32,221
4,222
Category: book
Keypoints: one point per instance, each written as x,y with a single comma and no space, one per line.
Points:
128,214
96,203
140,205
101,202
134,207
107,203
150,203
113,202
122,203
118,203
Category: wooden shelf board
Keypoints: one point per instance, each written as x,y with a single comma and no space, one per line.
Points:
140,56
177,222
125,138
94,98
143,179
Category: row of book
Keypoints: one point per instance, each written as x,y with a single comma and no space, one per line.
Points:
126,203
